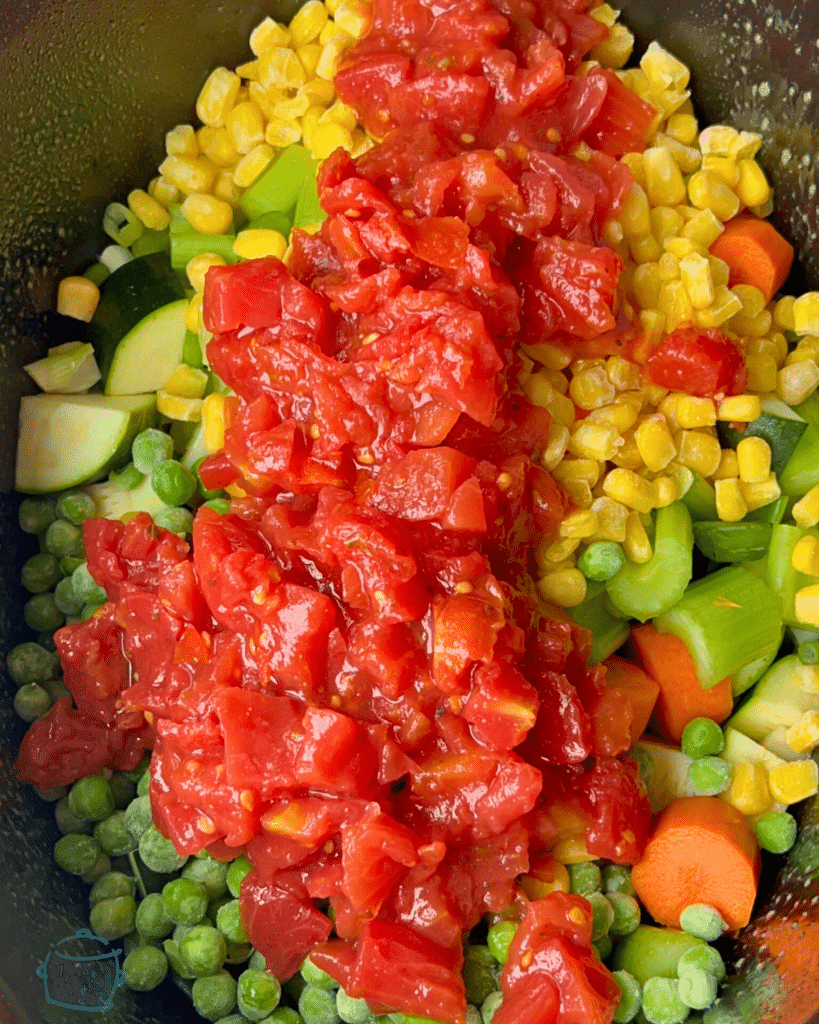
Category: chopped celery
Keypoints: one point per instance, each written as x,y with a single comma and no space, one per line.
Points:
745,678
185,244
773,512
278,187
700,499
780,574
308,208
151,241
727,620
641,591
609,633
732,542
192,350
275,220
802,469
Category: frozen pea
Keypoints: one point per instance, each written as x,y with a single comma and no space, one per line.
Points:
585,878
662,1003
350,1010
113,918
631,997
145,968
215,996
158,853
698,989
499,938
31,702
702,920
318,1005
316,977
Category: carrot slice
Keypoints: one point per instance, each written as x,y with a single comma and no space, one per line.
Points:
701,850
638,686
755,253
668,661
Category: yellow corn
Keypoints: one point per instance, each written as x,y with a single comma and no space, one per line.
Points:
207,214
268,33
217,145
666,491
663,69
707,191
679,247
622,415
558,380
806,313
783,313
327,137
558,553
566,588
252,164
805,557
77,297
644,249
187,410
254,243
753,459
591,388
687,158
213,422
752,299
193,314
627,455
695,274
538,389
762,373
720,139
188,174
724,167
728,466
612,517
646,283
553,357
249,71
801,353
808,677
682,128
605,14
704,229
308,22
187,382
579,525
281,68
751,327
675,304
753,188
557,442
803,736
597,441
615,51
794,781
634,162
807,605
739,409
749,791
579,492
198,267
652,324
762,493
182,141
217,96
695,412
578,469
561,408
151,212
699,452
537,888
572,850
637,546
330,58
245,125
796,382
281,134
806,511
630,489
163,191
635,216
225,188
731,505
354,17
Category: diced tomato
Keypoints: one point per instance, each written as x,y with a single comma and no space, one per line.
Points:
699,361
502,706
375,852
615,796
94,667
261,733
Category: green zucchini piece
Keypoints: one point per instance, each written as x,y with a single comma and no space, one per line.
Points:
780,425
114,502
609,632
777,699
126,297
67,369
149,353
65,440
700,499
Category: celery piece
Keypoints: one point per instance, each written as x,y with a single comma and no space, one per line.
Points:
773,512
732,542
780,574
151,241
275,220
278,187
641,591
308,208
700,499
609,632
749,674
187,244
727,620
801,471
809,410
192,350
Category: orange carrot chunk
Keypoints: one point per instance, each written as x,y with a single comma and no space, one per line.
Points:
755,253
638,686
701,850
668,661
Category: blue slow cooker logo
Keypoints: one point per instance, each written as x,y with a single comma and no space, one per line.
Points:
80,975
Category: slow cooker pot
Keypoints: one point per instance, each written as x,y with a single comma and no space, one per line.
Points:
88,92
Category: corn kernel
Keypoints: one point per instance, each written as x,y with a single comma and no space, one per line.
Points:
753,188
189,174
77,297
692,412
731,505
752,299
330,58
254,243
806,511
558,554
762,374
783,313
724,167
628,455
572,850
561,409
225,188
187,382
753,459
749,791
683,128
354,17
739,409
579,524
806,605
644,249
249,71
597,441
558,380
646,283
245,125
666,491
218,147
635,216
187,410
281,68
620,415
150,212
612,517
761,493
253,164
636,546
680,247
687,158
217,96
796,382
664,69
801,353
566,588
591,388
805,557
634,162
553,357
780,343
728,467
652,324
703,228
268,33
292,109
605,14
803,736
806,313
615,51
281,134
182,141
578,469
340,113
536,887
163,191
193,314
666,222
794,781
327,137
655,443
707,191
308,22
630,489
664,181
719,139
213,421
208,215
675,304
557,441
198,267
751,327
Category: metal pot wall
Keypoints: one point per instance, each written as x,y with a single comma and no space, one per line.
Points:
88,92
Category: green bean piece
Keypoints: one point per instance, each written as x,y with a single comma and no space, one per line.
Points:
76,507
31,702
76,854
235,874
113,836
662,1003
65,599
702,737
100,867
499,938
172,483
709,776
601,560
215,996
490,1006
35,515
111,885
150,448
316,977
158,853
585,878
64,539
617,878
145,968
703,921
152,920
258,994
40,573
318,1006
68,822
631,997
229,922
202,950
185,901
91,798
111,919
30,663
776,831
350,1010
209,873
697,988
175,520
85,586
138,816
126,478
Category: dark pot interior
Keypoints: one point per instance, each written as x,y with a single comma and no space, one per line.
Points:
89,91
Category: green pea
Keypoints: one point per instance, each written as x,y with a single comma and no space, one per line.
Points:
91,798
46,640
31,702
76,507
100,867
138,816
158,853
238,952
210,873
85,586
490,1006
144,785
126,478
123,789
479,974
352,1011
35,514
64,539
626,913
236,872
145,968
185,901
703,921
111,885
76,854
662,1003
51,796
316,977
287,1015
703,958
68,822
215,996
175,520
65,598
585,878
603,946
111,919
499,938
229,922
42,614
68,564
203,950
617,878
30,663
172,483
601,560
150,448
709,775
318,1006
697,989
258,994
152,920
776,831
631,997
702,737
55,688
113,836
